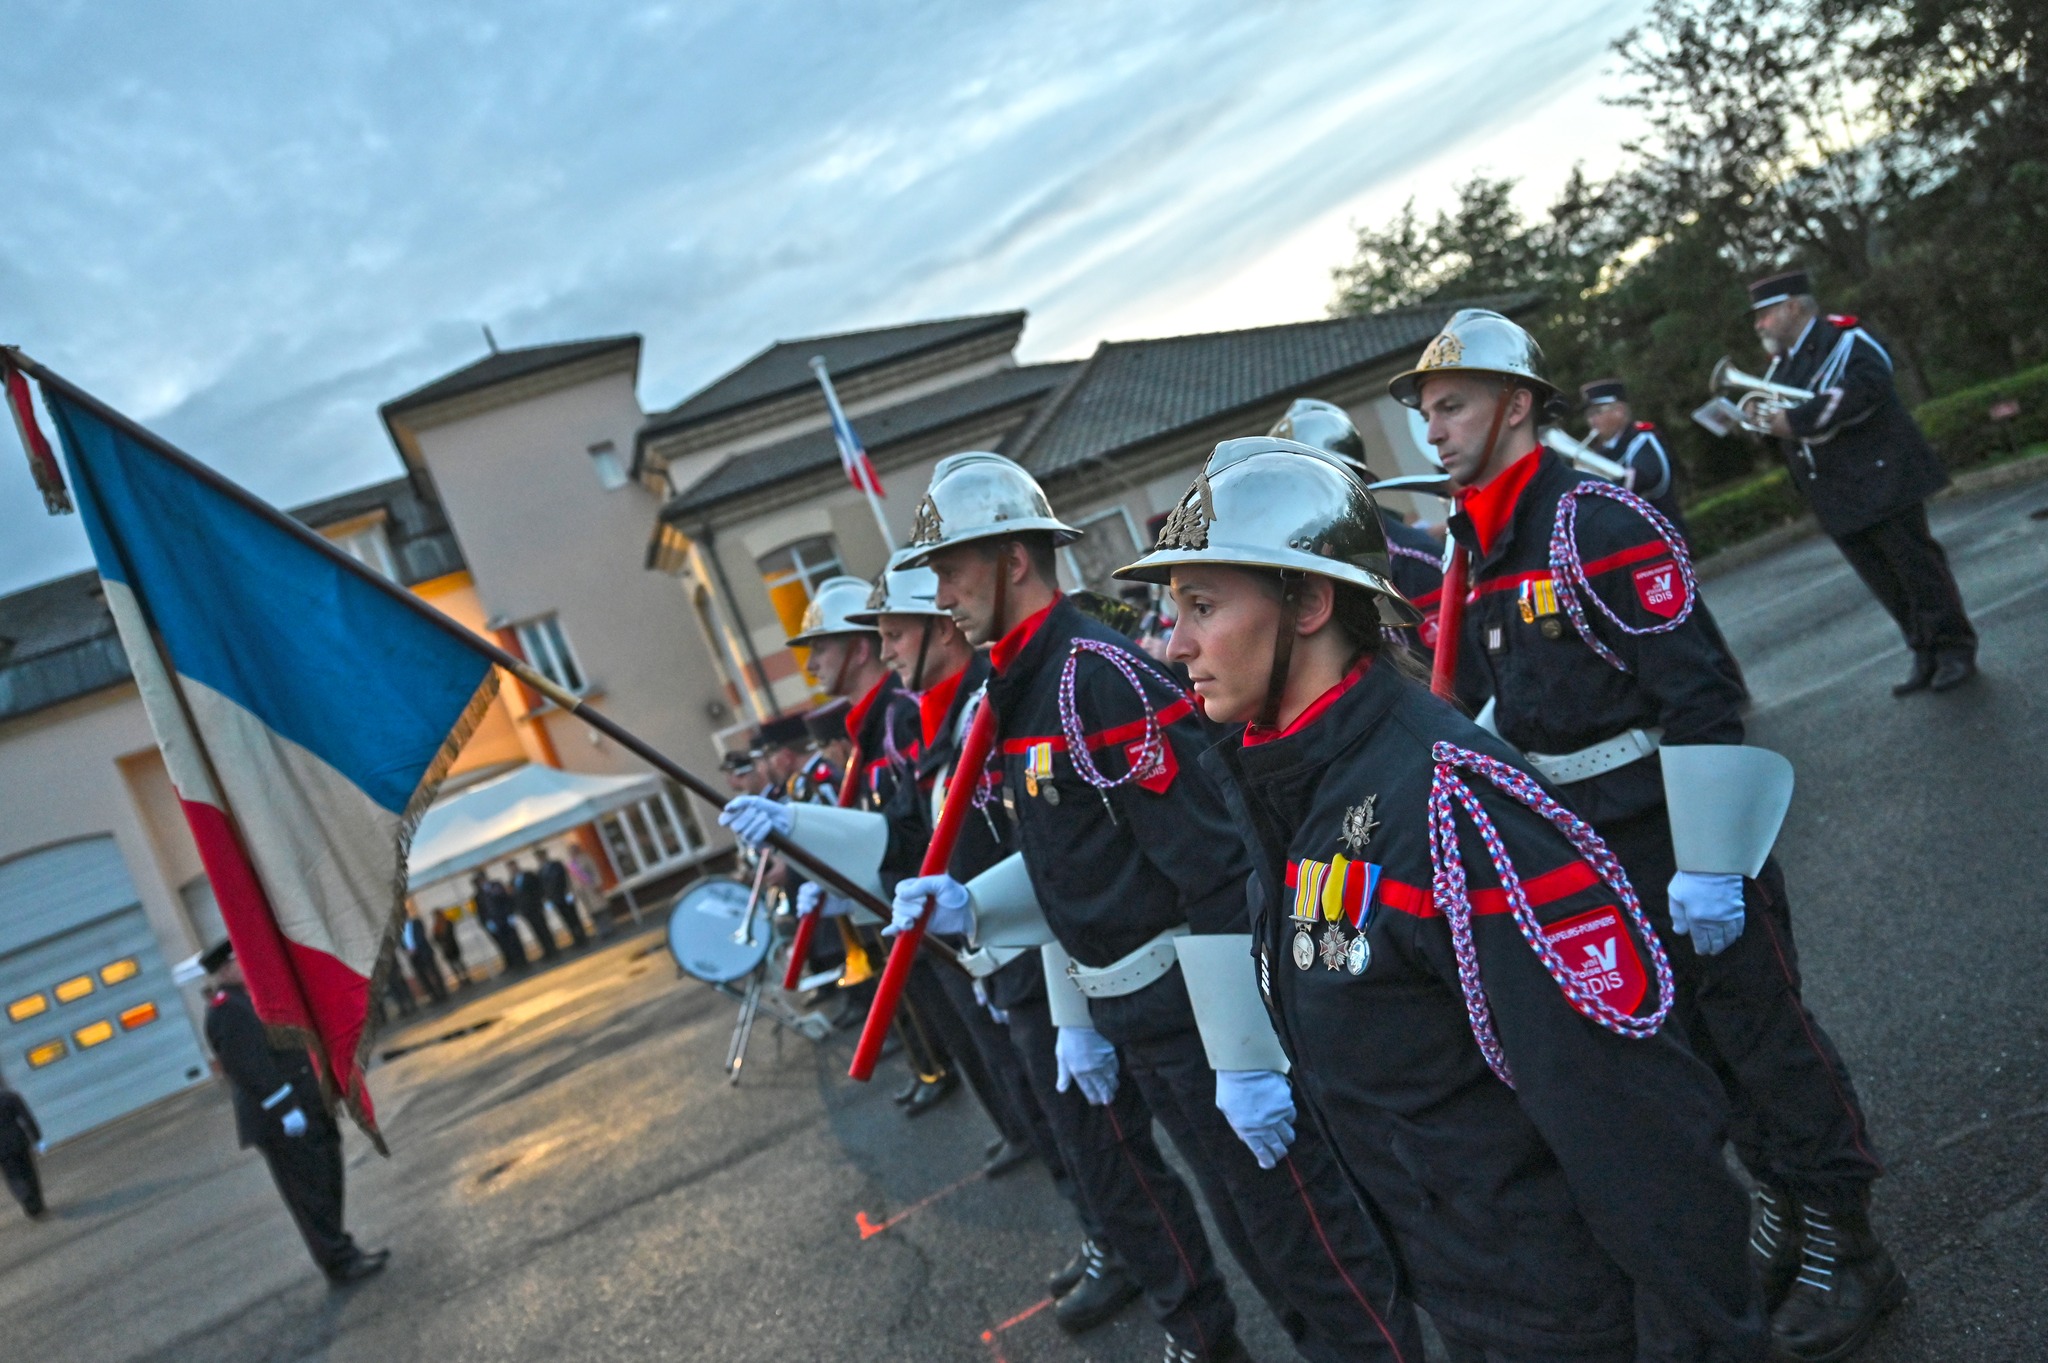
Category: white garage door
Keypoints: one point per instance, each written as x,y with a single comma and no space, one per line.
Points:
94,1027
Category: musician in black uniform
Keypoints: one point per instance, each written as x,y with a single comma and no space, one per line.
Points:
1857,456
1417,555
279,1110
20,1140
1637,446
1550,1158
1128,847
1597,669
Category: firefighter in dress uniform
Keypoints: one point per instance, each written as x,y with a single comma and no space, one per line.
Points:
1471,997
845,660
1417,555
1582,640
1122,1254
279,1110
1126,848
1857,456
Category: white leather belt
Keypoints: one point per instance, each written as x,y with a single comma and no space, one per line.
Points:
1586,763
983,962
1133,972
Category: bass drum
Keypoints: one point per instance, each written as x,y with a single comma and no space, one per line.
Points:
705,932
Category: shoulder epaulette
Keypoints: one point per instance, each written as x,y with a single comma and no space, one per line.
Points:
1646,425
1841,321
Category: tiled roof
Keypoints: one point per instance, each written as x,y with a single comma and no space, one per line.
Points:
752,469
786,366
1133,391
57,638
500,365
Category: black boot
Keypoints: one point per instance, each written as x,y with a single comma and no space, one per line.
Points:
1951,673
1919,677
1062,1282
1225,1350
1774,1244
1846,1281
1105,1289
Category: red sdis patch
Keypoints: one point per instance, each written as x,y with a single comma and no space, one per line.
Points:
1601,956
1160,778
1661,589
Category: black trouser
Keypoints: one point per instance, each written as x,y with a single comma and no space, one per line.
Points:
428,971
18,1167
307,1171
947,1031
993,1060
1793,1113
566,908
1129,1198
1296,1229
538,921
1907,571
505,936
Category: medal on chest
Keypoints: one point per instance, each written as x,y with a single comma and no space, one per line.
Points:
1331,896
1537,605
1038,773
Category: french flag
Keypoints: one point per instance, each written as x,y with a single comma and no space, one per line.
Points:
305,716
853,456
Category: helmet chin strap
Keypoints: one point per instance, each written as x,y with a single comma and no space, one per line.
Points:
924,648
1500,413
998,626
1283,650
838,686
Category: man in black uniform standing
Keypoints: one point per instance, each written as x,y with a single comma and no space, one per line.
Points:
1859,459
1635,445
1128,847
20,1138
1580,630
278,1109
555,893
531,902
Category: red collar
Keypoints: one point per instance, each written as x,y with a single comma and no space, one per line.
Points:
1010,645
858,715
1254,735
935,702
1490,508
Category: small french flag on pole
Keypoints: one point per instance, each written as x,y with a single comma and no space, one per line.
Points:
860,471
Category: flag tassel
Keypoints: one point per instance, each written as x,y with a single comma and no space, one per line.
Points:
42,460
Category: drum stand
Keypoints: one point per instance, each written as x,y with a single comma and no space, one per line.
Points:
813,1025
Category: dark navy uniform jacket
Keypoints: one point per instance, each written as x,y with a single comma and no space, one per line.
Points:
986,836
1654,477
883,725
267,1081
1113,869
1875,462
1418,571
1540,1215
1553,694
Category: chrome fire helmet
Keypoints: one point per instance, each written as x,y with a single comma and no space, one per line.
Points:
1476,341
979,496
1326,426
900,590
1266,503
831,611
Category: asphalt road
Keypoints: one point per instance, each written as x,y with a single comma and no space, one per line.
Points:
574,1180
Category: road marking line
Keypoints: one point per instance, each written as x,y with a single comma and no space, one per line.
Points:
988,1337
870,1229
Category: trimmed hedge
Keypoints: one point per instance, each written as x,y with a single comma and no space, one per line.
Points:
1742,511
1962,430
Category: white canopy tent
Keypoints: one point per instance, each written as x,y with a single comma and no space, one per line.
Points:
495,818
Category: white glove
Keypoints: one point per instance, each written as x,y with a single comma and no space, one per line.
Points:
294,1123
42,1147
1260,1108
1001,1015
1708,908
1086,1058
809,896
949,905
753,817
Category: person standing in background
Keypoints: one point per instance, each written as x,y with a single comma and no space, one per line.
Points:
450,945
554,892
419,947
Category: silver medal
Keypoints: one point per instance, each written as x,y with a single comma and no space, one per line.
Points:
1304,950
1359,956
1050,791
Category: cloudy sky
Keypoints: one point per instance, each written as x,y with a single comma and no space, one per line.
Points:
249,224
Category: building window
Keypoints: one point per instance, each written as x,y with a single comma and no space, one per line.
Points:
547,648
793,573
371,547
611,470
651,836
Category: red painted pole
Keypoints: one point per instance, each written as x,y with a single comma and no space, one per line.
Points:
1450,623
974,753
807,925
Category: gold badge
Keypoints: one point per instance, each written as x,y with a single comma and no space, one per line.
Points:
924,525
1443,353
1359,824
1187,525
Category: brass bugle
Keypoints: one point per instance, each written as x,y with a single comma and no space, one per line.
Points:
1757,399
1581,454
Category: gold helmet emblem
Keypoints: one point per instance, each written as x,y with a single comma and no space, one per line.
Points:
924,525
1444,352
1187,525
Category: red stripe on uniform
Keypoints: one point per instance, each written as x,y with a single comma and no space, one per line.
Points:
1622,559
1122,733
1547,888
